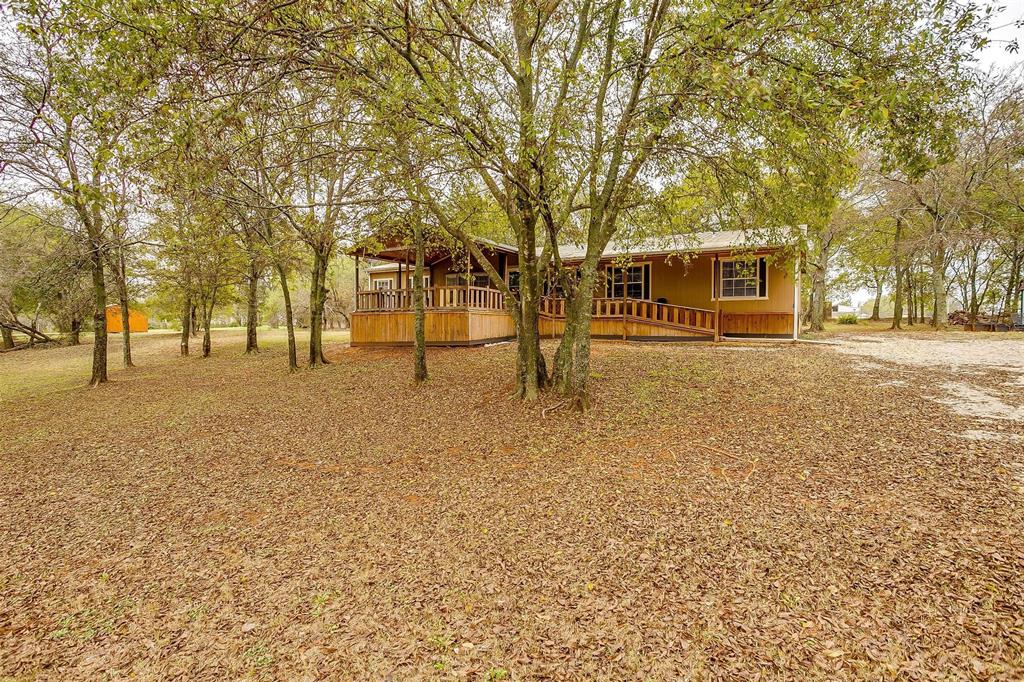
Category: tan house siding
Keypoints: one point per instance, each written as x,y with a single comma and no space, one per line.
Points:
687,281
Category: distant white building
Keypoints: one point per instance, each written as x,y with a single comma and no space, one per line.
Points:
839,309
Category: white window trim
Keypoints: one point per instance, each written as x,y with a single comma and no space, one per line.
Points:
644,264
426,281
714,289
383,283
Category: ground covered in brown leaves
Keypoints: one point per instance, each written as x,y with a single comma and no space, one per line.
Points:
724,512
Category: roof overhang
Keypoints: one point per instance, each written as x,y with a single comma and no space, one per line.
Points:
398,250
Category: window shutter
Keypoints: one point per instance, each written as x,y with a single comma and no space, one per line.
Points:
762,277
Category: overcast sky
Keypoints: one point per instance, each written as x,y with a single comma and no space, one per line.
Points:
1005,29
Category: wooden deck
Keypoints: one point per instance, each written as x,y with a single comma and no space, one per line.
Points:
454,316
464,315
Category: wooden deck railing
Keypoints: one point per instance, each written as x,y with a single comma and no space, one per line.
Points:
697,319
477,298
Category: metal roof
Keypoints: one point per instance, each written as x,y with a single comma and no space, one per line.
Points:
729,240
694,242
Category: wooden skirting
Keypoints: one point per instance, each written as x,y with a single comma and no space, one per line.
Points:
474,327
757,324
440,327
612,328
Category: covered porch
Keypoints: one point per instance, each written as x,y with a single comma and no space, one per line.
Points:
706,294
454,316
474,315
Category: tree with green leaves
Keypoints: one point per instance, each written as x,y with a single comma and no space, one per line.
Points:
563,111
76,87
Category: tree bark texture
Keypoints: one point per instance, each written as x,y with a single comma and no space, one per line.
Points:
99,315
317,299
186,325
419,312
897,294
252,312
293,362
940,312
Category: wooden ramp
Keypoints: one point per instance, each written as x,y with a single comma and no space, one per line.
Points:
633,318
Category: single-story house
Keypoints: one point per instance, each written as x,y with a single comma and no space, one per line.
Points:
699,286
137,321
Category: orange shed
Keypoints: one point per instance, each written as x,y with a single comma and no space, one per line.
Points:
137,322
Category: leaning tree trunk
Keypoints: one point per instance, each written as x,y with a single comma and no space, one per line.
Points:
420,349
876,309
99,315
293,363
571,372
317,300
252,313
186,325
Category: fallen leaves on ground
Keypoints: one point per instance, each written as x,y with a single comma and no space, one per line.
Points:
726,512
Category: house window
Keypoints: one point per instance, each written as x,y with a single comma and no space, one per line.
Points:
412,283
379,284
742,278
458,279
633,281
513,280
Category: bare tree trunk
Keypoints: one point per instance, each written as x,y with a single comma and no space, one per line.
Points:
818,298
876,309
897,294
420,349
75,331
571,371
8,338
252,314
531,370
1009,305
940,312
293,363
911,295
207,321
317,299
186,325
194,314
126,333
818,273
99,316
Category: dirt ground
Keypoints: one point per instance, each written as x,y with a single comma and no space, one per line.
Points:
758,511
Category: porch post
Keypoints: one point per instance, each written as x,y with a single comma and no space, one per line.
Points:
622,276
469,272
398,285
357,282
796,298
716,277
